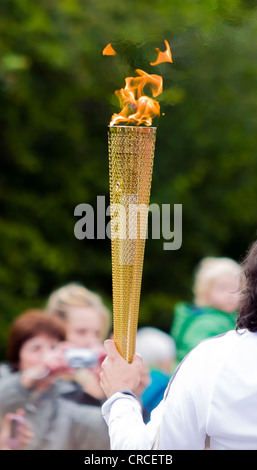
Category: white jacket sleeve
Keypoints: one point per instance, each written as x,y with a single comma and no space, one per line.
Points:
179,422
127,429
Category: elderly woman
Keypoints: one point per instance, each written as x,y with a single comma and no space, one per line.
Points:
36,354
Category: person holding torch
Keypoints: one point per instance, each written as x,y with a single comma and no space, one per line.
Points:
213,393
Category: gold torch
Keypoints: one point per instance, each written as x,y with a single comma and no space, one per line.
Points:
131,154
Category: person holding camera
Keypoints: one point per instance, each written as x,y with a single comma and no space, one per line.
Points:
88,322
36,353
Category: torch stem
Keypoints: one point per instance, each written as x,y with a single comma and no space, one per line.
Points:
131,154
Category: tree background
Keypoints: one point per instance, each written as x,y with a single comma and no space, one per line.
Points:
56,100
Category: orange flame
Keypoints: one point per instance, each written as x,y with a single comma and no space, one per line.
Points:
165,56
108,50
136,107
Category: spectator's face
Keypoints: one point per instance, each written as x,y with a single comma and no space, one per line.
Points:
84,327
224,293
34,349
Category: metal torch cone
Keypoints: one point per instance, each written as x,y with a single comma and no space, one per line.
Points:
131,154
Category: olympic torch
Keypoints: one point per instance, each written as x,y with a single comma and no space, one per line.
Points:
131,154
131,146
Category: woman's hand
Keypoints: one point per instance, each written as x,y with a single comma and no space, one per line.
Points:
52,364
23,433
117,374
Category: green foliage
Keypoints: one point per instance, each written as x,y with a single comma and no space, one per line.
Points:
57,97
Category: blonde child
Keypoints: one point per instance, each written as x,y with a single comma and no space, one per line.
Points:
214,310
88,323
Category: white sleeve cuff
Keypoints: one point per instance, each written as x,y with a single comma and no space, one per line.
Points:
118,404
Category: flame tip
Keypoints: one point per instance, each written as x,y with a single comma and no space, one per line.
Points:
137,108
164,56
108,50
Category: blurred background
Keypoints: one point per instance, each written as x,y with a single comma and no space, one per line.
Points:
57,98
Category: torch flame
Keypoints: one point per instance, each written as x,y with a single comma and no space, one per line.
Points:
165,56
138,108
108,50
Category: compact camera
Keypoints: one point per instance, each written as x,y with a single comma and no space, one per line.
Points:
79,358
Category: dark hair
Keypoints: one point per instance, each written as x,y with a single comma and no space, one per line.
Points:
248,303
28,325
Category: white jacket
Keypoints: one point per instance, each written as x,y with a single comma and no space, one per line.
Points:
213,393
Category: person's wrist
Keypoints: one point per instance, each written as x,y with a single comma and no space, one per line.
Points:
128,392
32,376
